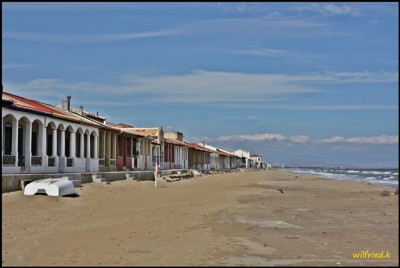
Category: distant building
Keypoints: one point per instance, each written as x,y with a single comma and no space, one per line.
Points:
256,159
173,135
244,159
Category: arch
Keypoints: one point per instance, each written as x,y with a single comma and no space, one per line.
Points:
94,133
9,123
24,120
38,121
23,141
87,132
69,139
36,138
51,141
70,128
51,124
9,117
61,126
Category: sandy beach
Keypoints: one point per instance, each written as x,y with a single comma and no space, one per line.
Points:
258,218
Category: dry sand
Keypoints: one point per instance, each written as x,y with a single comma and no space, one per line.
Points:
221,220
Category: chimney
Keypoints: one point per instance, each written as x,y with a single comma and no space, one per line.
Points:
81,110
69,103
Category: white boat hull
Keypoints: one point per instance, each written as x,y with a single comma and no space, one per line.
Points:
52,187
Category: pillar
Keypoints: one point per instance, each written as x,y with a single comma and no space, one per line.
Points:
72,144
95,146
62,140
88,146
28,144
14,146
54,151
81,154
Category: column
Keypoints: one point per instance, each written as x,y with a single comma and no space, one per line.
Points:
72,144
95,146
62,139
114,145
14,146
82,145
108,145
88,146
28,144
42,147
104,144
54,151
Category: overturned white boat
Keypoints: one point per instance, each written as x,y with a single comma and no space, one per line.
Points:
52,186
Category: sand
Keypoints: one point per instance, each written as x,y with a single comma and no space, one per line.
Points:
259,218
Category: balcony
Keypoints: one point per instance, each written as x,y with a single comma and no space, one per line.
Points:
36,161
9,160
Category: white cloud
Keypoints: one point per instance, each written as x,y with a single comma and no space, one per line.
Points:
202,86
264,52
14,65
84,38
383,139
253,137
364,77
332,9
240,7
300,139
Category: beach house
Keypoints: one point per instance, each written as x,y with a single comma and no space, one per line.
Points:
176,152
198,156
244,158
257,161
40,138
150,146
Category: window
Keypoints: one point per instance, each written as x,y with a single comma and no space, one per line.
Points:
7,138
34,144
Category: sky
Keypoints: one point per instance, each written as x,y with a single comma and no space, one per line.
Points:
301,84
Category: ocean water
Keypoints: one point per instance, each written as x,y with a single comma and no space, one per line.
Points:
388,177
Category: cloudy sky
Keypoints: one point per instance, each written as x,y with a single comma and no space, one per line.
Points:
297,83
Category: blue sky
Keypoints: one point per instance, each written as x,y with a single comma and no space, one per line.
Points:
297,83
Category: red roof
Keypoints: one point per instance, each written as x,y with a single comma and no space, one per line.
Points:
29,104
122,125
198,147
36,106
224,153
254,155
176,142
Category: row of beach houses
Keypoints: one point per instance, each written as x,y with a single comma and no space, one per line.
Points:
42,138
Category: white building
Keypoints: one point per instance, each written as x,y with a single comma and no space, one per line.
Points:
244,158
39,138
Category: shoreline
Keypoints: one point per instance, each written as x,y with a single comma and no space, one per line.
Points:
263,218
347,177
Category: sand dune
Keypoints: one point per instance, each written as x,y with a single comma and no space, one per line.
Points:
255,218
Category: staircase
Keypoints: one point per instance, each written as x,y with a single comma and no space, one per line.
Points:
130,176
99,179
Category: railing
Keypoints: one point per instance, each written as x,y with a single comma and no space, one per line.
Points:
70,162
36,161
9,160
21,161
102,162
51,161
112,162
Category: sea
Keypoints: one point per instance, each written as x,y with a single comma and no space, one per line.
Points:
388,177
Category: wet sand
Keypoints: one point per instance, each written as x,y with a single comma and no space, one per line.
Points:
265,218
